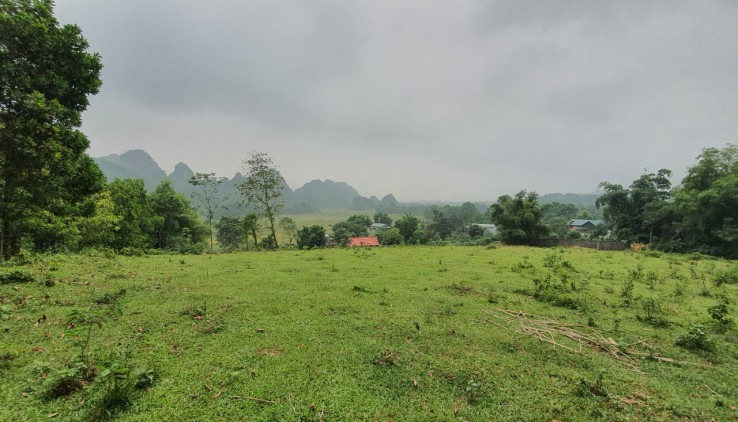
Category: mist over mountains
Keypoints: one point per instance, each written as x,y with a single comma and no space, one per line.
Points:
313,196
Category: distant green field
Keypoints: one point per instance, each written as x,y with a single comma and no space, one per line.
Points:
408,333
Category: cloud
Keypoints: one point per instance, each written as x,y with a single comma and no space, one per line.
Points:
438,100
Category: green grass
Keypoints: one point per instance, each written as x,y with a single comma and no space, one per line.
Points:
376,334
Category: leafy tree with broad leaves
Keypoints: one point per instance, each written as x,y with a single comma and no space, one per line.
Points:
208,197
176,223
408,225
440,224
231,232
642,211
518,218
311,237
708,202
135,218
46,76
263,189
289,227
356,225
390,237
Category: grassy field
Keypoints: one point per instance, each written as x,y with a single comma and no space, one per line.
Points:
413,333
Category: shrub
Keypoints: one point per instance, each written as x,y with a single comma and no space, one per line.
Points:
719,313
727,276
695,339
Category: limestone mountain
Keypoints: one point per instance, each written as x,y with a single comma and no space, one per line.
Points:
325,194
134,164
180,178
313,196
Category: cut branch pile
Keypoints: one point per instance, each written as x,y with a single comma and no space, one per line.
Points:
576,337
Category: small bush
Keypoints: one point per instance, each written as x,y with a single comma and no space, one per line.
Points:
695,339
16,276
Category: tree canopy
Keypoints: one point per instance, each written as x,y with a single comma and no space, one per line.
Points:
518,218
46,76
263,189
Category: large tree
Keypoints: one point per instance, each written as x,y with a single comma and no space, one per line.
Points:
642,211
408,225
518,218
46,75
263,189
707,202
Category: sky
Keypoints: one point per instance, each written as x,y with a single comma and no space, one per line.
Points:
428,100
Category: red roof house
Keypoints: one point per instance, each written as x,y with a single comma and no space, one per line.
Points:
363,241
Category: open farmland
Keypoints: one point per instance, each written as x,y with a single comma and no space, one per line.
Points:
411,333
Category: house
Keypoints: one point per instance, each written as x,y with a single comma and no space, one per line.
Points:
377,227
583,225
363,241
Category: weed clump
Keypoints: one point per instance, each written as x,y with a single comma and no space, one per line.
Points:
387,357
594,388
728,276
557,294
110,298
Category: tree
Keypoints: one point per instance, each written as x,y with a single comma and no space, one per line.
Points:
356,225
134,215
99,228
251,227
518,218
311,237
640,212
289,227
440,224
390,237
231,232
46,75
469,213
263,189
383,218
707,202
176,223
208,197
408,224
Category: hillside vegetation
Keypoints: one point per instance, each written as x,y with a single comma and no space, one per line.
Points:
415,333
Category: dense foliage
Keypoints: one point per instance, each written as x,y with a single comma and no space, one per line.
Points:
311,237
46,75
699,215
518,218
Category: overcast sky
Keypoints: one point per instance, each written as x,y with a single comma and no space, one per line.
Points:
437,100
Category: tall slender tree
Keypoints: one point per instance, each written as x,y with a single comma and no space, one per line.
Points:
263,190
208,197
